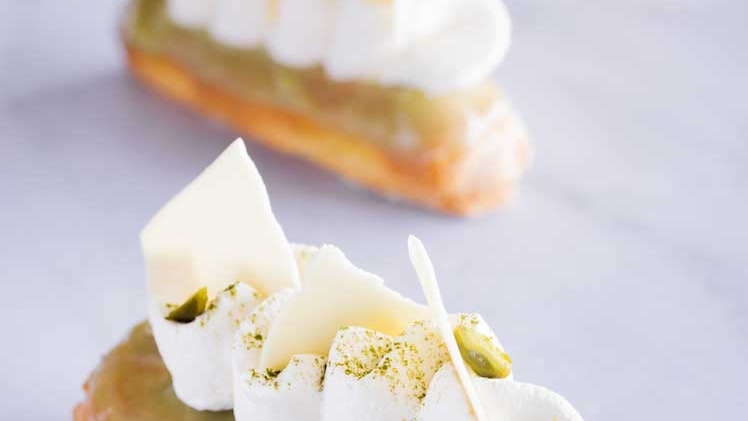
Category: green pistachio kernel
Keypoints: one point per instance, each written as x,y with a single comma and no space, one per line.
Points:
482,355
191,308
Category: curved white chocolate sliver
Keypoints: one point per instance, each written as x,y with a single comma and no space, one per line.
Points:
425,270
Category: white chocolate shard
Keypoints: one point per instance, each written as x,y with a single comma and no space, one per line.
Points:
218,230
335,294
425,270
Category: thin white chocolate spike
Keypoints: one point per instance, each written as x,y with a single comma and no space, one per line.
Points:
425,271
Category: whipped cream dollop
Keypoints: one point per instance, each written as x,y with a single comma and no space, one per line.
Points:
502,400
371,376
290,394
198,354
437,46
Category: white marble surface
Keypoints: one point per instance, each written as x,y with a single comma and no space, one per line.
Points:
619,279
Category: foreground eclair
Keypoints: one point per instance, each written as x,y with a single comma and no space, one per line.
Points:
240,319
394,95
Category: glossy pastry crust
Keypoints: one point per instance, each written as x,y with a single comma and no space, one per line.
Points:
455,176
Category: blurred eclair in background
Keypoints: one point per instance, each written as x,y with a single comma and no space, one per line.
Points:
397,96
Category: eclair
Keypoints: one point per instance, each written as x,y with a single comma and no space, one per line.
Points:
243,325
396,96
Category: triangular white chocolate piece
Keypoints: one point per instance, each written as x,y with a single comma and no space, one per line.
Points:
219,230
335,294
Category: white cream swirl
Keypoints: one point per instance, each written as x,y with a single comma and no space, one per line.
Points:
437,46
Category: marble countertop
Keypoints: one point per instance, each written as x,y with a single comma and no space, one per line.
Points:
619,278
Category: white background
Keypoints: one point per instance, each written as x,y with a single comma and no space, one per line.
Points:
619,279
